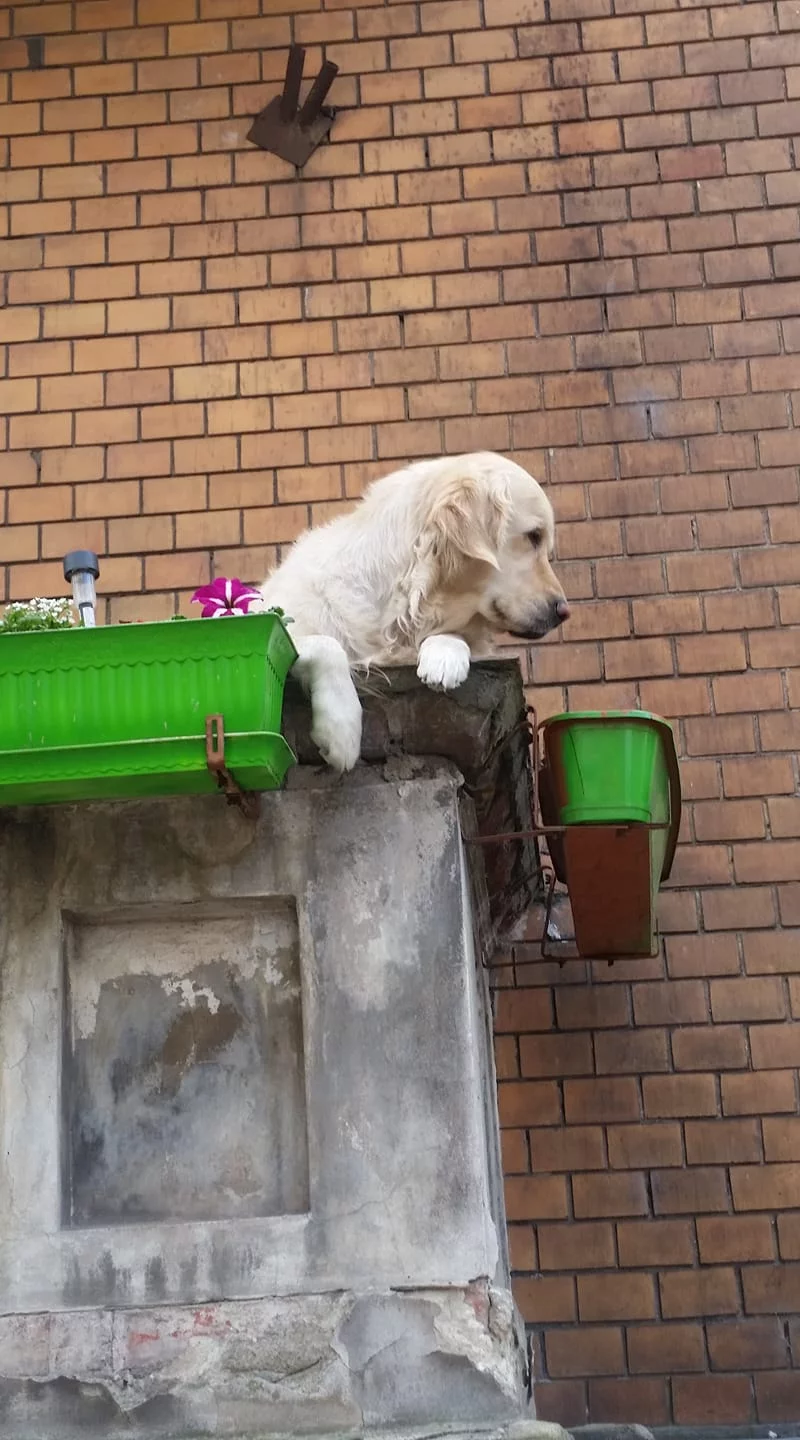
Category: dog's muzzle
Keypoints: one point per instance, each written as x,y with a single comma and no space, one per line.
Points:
555,615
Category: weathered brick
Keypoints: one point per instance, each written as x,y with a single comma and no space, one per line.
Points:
759,1094
634,1147
588,1245
628,1398
594,1350
724,1238
703,1292
609,1195
696,1398
666,1349
689,1192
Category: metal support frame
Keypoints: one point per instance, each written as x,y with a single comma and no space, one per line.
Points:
538,829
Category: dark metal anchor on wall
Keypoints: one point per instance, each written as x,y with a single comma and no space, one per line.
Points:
283,129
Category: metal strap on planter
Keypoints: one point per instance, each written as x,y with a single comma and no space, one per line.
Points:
248,801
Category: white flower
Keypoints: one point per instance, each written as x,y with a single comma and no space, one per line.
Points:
38,614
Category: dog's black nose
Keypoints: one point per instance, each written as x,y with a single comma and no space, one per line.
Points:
561,611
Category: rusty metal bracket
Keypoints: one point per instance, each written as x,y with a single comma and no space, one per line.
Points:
248,801
289,132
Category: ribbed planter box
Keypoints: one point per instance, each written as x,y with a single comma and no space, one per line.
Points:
121,710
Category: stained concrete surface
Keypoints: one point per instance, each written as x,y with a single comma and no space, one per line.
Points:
353,1275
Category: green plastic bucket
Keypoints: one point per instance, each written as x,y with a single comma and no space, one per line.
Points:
613,767
120,710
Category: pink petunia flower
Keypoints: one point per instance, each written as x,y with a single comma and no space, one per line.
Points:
225,597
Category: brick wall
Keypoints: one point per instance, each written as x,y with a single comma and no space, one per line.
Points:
572,235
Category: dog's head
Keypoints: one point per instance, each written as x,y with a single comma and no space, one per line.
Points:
487,543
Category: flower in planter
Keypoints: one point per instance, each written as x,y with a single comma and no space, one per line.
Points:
37,614
225,597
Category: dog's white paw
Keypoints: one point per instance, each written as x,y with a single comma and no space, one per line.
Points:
443,662
336,730
324,672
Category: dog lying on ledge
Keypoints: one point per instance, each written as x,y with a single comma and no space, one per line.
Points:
433,561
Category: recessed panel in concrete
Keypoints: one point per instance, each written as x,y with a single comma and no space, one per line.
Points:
183,1073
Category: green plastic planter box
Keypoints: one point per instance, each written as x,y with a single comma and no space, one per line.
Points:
614,768
120,710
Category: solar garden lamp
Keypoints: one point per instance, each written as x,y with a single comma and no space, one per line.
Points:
81,569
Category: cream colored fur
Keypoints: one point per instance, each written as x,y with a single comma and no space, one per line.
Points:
435,559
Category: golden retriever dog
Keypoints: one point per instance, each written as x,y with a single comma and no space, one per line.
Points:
431,562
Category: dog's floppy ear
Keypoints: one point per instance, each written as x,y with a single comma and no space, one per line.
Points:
464,519
467,520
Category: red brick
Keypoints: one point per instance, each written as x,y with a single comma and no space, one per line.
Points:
562,1401
702,954
722,1141
788,1237
712,1399
529,1103
784,816
545,1298
587,1350
522,1247
731,820
655,1242
761,775
556,1055
620,1194
776,1395
748,999
636,1401
666,1348
674,1002
679,1095
781,1139
689,1192
654,131
593,1008
640,1146
734,1238
517,1011
601,1099
763,1094
622,33
789,906
774,1047
703,1292
722,1048
616,1297
583,69
576,1148
771,1289
708,654
530,1197
574,1245
620,1052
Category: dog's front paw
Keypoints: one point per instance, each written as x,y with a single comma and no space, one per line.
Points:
443,662
336,731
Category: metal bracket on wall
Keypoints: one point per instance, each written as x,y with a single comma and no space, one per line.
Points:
247,800
286,131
